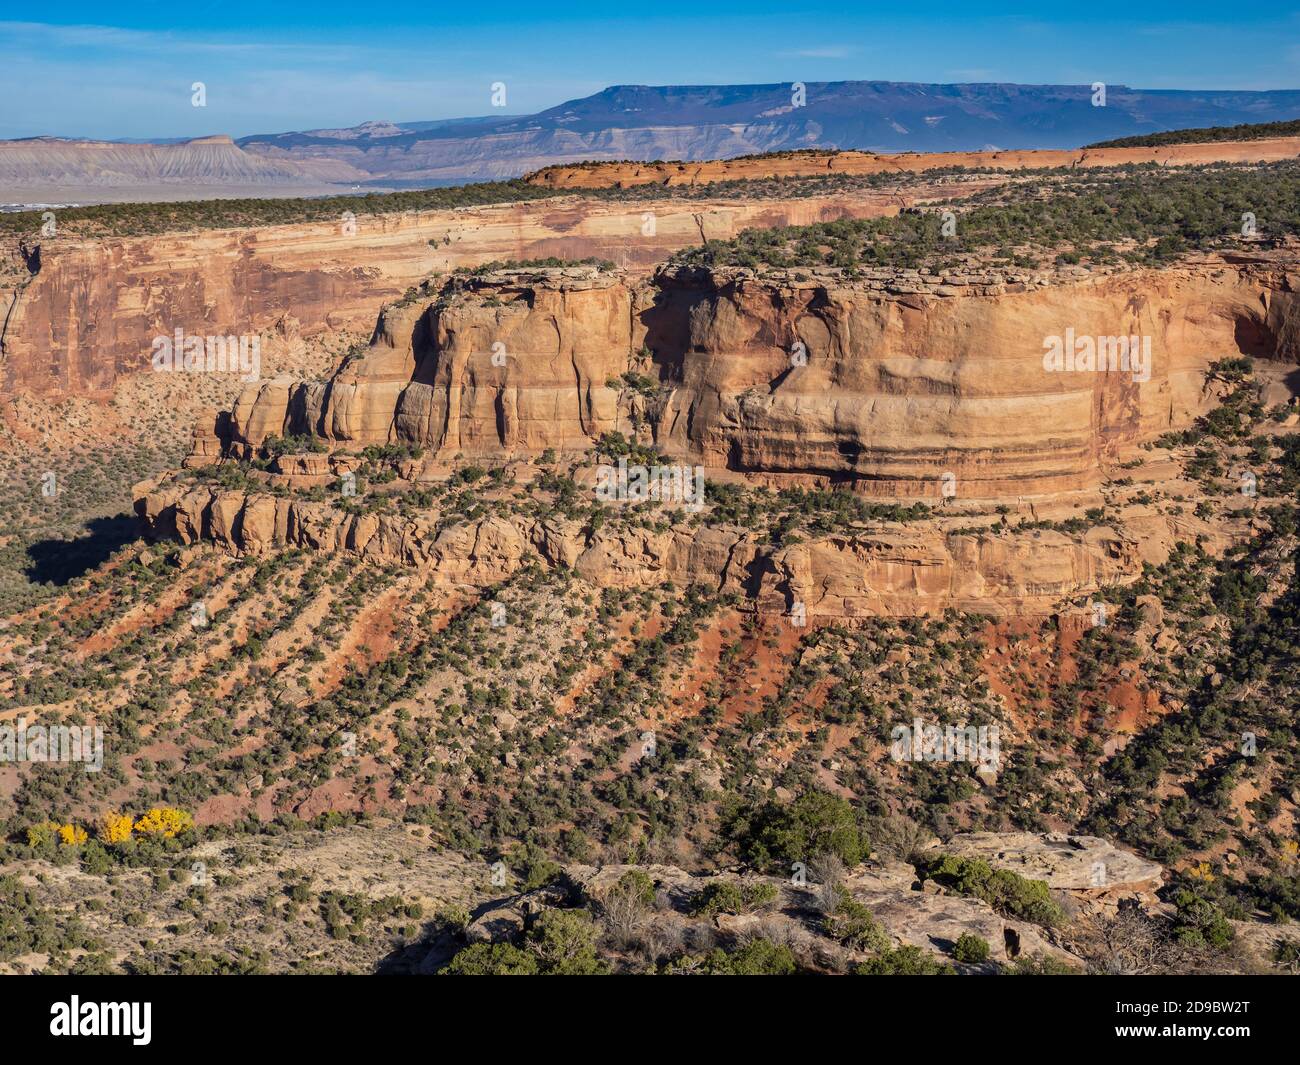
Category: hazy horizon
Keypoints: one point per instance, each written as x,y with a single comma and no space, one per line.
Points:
506,114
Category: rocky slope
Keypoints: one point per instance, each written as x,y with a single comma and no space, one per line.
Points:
892,572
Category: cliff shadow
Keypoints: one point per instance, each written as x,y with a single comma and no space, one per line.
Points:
667,325
428,953
57,561
436,944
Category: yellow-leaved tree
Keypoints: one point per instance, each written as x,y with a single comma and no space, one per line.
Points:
165,821
114,828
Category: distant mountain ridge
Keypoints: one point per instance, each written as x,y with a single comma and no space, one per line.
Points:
214,160
640,122
691,123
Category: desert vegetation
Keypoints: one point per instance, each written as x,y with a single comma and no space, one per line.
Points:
1251,131
1143,217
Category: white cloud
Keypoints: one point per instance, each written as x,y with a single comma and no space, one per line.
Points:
824,52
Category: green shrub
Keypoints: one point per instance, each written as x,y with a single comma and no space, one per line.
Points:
1286,954
971,949
561,943
724,896
1007,892
816,823
1200,922
903,961
565,941
852,924
538,873
636,886
758,957
492,959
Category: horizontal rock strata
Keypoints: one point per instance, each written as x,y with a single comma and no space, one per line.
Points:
902,384
853,575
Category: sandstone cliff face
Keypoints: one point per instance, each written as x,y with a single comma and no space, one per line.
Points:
916,572
907,379
521,369
904,385
512,366
903,573
806,164
92,308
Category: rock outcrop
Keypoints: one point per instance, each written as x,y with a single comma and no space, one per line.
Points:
1085,865
596,175
90,308
908,914
911,573
908,385
934,922
513,367
897,384
891,573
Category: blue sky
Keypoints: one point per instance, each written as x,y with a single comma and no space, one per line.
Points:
98,71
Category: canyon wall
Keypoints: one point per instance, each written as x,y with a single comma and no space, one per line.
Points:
78,313
907,376
889,383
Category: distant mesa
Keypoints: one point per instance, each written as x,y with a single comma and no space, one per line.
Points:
53,163
643,123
